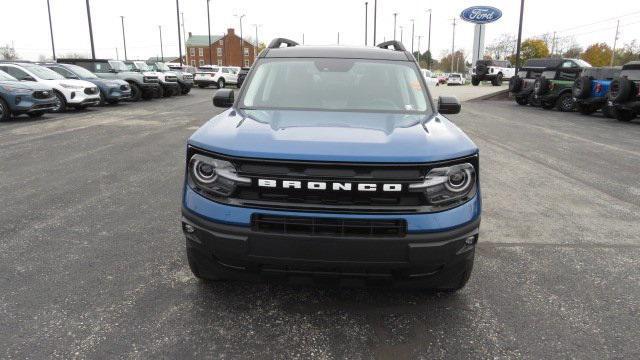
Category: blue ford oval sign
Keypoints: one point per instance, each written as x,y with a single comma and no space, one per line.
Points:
481,14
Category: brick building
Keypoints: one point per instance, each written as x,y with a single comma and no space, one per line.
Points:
224,49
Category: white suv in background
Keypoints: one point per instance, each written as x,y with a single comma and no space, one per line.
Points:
219,76
429,77
68,92
456,79
492,70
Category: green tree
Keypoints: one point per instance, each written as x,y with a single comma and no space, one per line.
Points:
532,49
629,52
458,62
597,54
573,52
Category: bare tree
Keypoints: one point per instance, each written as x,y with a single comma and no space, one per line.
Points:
8,52
74,55
501,47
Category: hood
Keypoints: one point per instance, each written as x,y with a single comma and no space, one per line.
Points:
333,136
152,73
30,85
82,83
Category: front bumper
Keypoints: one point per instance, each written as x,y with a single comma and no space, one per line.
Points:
173,86
205,82
75,97
28,104
432,252
629,105
117,93
150,88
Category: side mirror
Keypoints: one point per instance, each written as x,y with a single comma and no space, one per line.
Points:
448,105
224,98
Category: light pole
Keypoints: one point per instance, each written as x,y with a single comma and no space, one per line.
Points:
179,37
161,52
241,39
366,10
419,37
375,20
429,43
338,37
413,28
184,37
209,29
401,32
93,50
53,46
453,43
124,40
255,49
519,36
395,16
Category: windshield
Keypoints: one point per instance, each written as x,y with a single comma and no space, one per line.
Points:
632,74
455,76
42,72
142,66
118,65
582,63
6,77
162,66
336,84
81,72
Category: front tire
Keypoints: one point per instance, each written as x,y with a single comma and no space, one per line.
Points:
565,103
5,112
497,81
522,100
475,81
624,115
136,93
61,103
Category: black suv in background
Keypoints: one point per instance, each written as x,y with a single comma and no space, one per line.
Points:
242,75
624,93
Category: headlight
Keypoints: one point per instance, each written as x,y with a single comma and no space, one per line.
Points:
70,86
214,176
449,184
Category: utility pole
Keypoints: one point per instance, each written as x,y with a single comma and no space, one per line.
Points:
419,37
184,37
413,29
255,49
179,37
117,55
375,20
338,37
124,40
519,36
553,44
209,29
615,42
453,43
395,16
241,39
366,10
302,38
429,43
53,46
93,49
401,32
161,52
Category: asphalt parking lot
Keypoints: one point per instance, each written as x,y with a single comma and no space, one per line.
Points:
92,260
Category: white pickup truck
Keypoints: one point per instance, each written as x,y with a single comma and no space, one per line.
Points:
219,76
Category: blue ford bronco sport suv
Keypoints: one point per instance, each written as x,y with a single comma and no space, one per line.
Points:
590,90
29,98
333,162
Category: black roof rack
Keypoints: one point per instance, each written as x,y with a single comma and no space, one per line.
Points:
397,45
276,43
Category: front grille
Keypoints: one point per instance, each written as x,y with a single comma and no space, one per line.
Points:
91,91
328,227
187,77
171,79
42,94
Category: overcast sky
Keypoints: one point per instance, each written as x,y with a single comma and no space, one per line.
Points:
24,23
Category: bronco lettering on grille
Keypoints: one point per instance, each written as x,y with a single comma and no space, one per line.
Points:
323,185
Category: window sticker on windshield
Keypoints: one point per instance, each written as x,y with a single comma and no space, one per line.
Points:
415,85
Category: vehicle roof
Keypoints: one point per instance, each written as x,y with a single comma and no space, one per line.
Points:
341,52
632,65
545,63
602,72
78,59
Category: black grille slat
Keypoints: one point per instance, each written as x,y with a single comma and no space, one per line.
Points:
328,226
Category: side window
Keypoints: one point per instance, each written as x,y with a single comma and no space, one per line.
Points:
192,51
221,42
219,51
246,63
246,51
569,64
193,62
15,72
225,71
200,51
201,62
64,72
102,67
567,75
219,62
